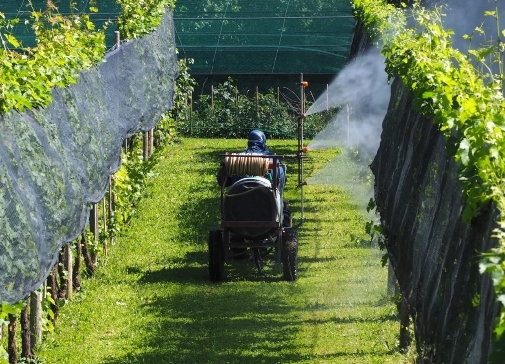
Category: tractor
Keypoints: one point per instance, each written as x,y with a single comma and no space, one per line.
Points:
255,217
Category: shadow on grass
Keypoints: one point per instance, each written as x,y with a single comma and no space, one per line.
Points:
211,323
193,275
354,320
194,269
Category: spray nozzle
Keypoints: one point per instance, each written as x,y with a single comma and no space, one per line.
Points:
304,149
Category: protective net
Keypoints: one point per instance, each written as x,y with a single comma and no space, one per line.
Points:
264,36
434,254
55,161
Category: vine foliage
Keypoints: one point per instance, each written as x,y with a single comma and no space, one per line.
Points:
231,113
67,45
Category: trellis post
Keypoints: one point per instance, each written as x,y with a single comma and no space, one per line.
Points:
191,113
151,142
111,204
212,100
257,105
145,148
93,220
35,318
69,259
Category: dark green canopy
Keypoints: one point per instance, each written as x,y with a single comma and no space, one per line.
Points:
264,36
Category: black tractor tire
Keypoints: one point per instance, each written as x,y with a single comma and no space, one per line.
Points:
216,256
290,254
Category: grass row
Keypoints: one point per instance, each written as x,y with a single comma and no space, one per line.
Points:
151,301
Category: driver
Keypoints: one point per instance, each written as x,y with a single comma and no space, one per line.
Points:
257,143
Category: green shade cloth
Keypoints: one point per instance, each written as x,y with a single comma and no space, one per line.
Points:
264,37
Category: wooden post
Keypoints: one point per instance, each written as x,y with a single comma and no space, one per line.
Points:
111,204
145,148
52,283
327,98
90,266
69,259
93,227
93,220
212,100
236,103
104,205
257,105
36,318
278,96
26,346
191,113
148,140
76,269
151,142
11,340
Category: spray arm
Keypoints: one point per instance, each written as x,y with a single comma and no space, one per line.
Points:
301,148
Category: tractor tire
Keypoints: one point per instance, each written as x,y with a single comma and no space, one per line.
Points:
216,256
290,254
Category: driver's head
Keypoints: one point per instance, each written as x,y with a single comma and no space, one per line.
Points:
257,139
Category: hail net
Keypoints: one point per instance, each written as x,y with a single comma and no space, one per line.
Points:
54,162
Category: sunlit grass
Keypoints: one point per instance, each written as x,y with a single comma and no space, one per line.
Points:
151,301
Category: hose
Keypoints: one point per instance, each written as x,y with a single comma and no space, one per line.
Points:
242,165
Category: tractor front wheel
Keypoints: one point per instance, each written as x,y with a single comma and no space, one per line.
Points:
290,254
216,256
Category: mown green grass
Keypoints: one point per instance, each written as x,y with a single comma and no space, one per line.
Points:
151,301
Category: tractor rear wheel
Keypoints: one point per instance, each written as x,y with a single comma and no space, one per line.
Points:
216,256
290,254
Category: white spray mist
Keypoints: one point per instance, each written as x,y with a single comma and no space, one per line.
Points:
362,93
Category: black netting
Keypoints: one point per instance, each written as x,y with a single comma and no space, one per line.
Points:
55,161
434,254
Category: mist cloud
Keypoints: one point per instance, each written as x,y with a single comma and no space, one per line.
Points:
362,93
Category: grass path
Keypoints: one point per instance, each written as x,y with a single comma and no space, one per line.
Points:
151,301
